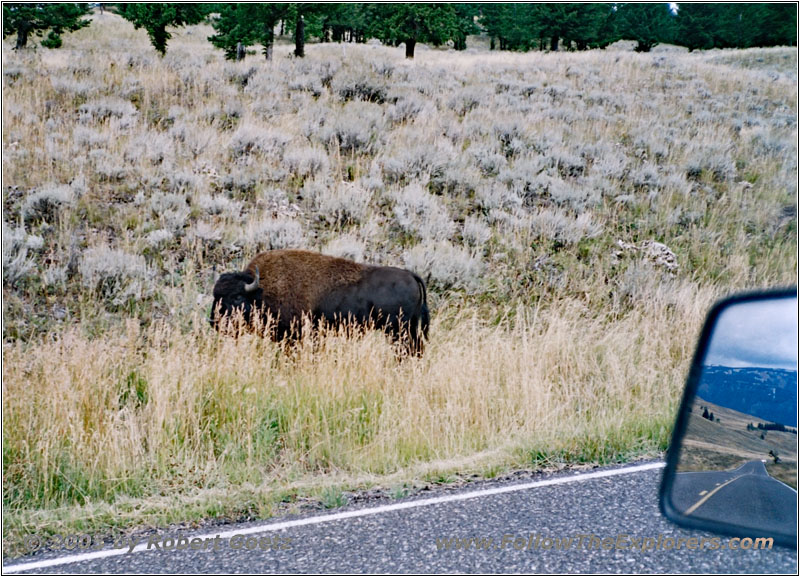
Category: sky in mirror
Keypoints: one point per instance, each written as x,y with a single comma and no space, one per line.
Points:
756,334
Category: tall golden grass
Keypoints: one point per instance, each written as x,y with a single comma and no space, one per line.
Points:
147,412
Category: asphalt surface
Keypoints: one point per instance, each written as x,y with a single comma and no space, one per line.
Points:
521,524
745,496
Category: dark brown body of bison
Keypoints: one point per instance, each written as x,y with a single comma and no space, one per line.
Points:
294,283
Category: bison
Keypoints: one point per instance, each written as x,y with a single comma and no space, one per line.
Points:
290,284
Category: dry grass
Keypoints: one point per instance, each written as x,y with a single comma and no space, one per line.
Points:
529,189
140,414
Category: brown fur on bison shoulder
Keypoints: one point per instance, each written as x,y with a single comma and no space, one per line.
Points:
294,283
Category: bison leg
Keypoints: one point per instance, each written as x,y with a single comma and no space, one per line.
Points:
416,331
415,344
408,335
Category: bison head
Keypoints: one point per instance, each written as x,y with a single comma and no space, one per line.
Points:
236,292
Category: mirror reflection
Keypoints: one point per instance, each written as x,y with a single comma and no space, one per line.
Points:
738,457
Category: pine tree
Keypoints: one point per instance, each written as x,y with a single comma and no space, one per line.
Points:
242,25
156,17
465,24
24,19
695,23
647,24
345,23
591,26
510,26
777,25
553,22
736,25
299,15
525,26
412,23
705,26
584,24
296,14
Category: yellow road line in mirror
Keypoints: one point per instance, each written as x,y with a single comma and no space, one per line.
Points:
692,509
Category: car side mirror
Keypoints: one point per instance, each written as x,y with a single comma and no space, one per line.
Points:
732,463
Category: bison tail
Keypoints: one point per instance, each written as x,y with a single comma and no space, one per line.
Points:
422,320
423,293
425,320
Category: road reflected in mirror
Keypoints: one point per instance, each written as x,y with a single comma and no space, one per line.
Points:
738,458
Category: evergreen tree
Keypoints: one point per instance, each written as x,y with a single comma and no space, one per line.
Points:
411,23
345,23
777,25
584,24
736,25
465,24
525,26
24,19
297,15
233,34
245,24
591,26
510,26
695,24
300,15
156,17
732,26
647,24
704,26
553,22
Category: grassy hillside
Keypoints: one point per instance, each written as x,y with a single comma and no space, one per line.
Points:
727,443
574,216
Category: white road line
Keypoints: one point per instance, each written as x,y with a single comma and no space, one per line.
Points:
345,515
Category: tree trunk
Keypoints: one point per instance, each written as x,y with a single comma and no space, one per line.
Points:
300,38
554,43
269,40
410,44
240,51
159,39
22,36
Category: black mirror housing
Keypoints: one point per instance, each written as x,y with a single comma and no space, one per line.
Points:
732,462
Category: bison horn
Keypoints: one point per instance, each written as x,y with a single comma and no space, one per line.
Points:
250,287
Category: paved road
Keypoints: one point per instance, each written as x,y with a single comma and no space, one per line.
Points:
745,496
427,535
